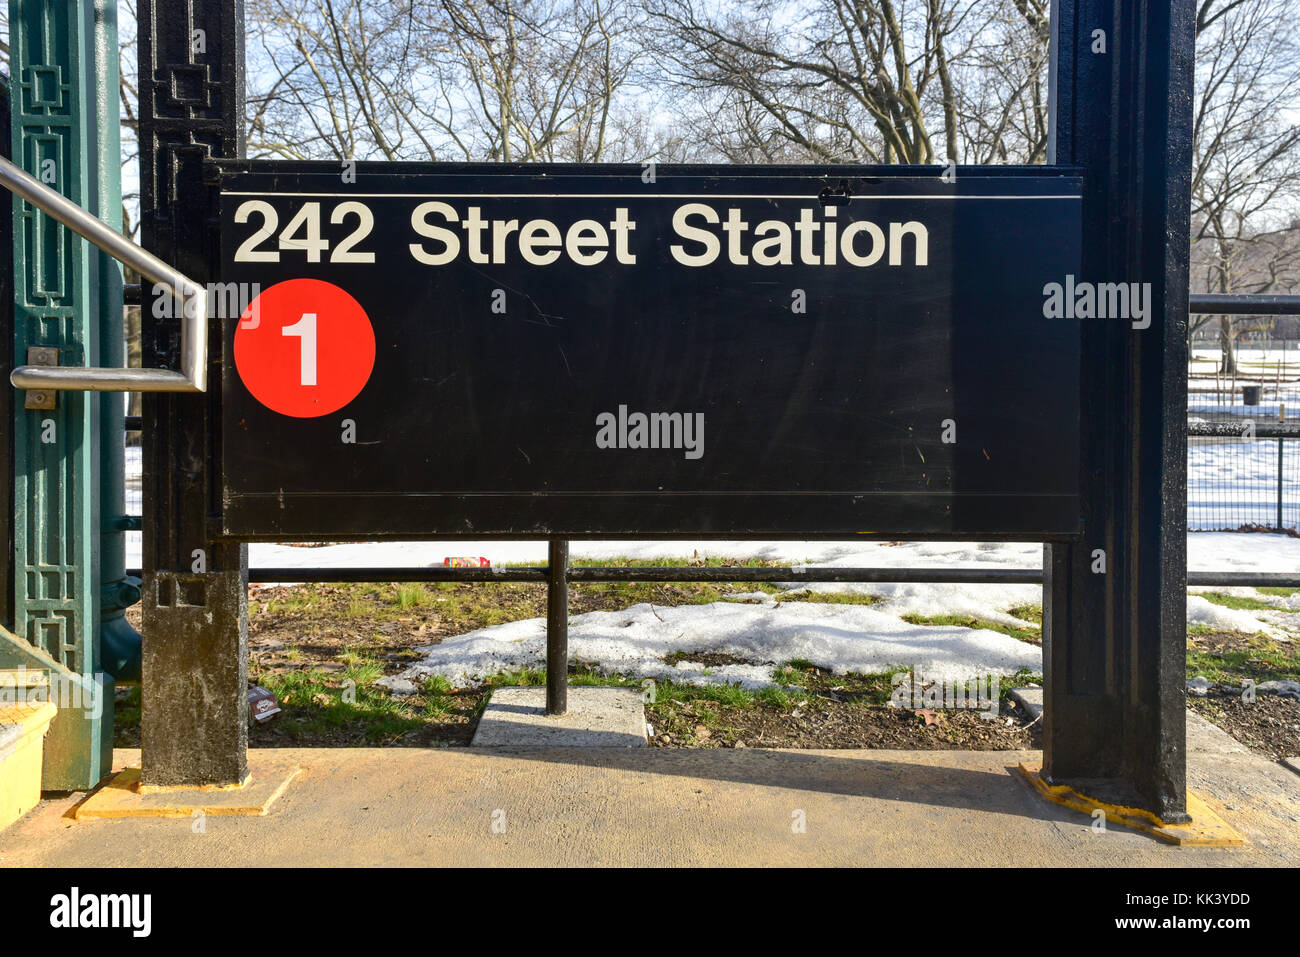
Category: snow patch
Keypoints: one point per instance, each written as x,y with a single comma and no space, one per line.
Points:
1201,611
839,638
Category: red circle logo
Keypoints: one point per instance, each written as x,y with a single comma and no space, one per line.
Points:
304,348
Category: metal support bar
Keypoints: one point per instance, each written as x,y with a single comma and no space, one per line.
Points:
1229,304
723,573
557,627
192,297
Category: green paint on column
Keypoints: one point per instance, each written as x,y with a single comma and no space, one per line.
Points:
56,452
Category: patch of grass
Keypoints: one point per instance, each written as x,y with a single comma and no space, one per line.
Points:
1023,677
411,595
729,695
1238,656
518,677
438,700
293,601
317,703
1030,612
832,597
663,594
1235,601
776,698
364,672
624,562
1032,636
1278,590
590,677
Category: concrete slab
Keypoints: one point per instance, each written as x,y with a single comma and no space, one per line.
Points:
669,807
597,718
1030,698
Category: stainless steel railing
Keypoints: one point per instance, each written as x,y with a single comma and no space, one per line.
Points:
193,300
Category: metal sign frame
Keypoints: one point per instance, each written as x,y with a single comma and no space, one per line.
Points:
1114,625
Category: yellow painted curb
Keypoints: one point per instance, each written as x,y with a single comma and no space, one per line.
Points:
123,796
1206,828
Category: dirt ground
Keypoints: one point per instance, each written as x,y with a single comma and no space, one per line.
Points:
1270,725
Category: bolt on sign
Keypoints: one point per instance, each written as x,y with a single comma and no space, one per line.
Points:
431,349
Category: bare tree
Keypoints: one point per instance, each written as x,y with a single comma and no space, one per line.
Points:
524,80
1247,154
836,80
1001,84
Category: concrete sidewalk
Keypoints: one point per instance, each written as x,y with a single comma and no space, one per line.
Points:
640,807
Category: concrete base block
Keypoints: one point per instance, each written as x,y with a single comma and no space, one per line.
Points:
124,796
597,718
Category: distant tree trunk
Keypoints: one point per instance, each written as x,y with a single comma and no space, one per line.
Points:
1225,347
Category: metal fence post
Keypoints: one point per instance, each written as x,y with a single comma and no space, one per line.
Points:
1280,443
557,627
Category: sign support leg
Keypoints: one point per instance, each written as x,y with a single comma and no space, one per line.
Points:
194,725
1114,603
557,627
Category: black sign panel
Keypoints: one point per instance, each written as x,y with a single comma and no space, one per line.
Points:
602,351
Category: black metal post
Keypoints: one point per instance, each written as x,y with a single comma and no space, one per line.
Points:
194,725
1114,625
1280,441
557,627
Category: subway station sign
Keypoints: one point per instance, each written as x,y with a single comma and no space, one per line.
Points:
429,349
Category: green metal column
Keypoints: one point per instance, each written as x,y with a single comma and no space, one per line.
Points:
119,644
57,287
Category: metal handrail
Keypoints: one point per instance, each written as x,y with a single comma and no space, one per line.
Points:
193,298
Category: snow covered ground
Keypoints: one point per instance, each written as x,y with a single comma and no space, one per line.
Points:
634,641
1255,367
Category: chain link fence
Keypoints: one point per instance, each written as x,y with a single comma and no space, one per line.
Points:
1243,475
